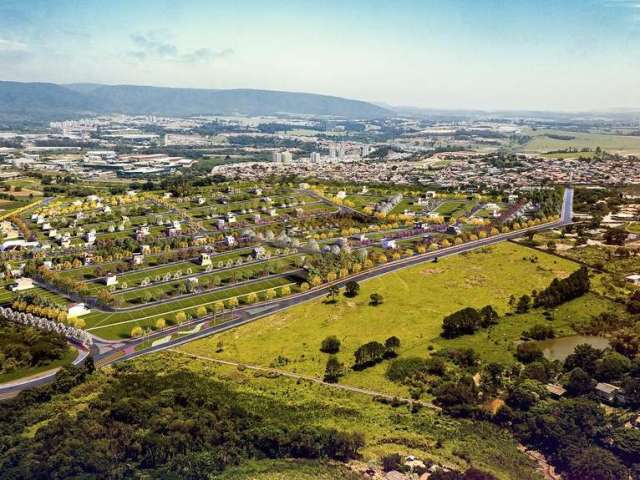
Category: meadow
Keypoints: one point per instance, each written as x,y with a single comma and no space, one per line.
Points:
415,302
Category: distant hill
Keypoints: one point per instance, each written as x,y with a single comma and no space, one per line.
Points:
32,100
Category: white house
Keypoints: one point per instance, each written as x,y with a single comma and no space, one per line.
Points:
77,310
341,195
137,259
111,280
22,283
389,244
230,240
633,279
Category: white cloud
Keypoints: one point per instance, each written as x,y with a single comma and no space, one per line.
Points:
12,46
159,45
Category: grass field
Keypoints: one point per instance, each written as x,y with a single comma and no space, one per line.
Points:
541,142
415,302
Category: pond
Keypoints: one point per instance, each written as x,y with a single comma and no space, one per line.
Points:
560,348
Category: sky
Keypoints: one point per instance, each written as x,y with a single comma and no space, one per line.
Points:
447,54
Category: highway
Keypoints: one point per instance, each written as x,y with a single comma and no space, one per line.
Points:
106,353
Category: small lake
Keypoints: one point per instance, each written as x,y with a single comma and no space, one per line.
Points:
560,348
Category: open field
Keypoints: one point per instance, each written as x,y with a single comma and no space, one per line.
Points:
415,301
542,142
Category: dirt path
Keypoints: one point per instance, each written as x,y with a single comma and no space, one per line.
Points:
284,373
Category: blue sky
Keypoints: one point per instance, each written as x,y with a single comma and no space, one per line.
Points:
490,54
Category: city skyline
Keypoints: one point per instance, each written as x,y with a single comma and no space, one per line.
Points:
489,54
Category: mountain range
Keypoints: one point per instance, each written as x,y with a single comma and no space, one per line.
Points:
46,101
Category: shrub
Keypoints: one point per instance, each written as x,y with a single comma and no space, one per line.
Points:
201,311
331,344
136,332
181,317
528,352
160,323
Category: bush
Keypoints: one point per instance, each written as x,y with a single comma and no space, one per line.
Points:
376,299
528,352
540,332
403,368
462,322
181,317
201,311
331,344
136,332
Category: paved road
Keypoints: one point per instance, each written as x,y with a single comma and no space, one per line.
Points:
254,312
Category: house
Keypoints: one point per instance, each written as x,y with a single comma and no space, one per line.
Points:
137,259
90,236
231,217
298,212
454,230
257,191
513,198
341,195
633,279
111,280
173,232
256,218
258,253
106,209
359,237
142,232
46,226
389,244
609,393
420,225
200,200
273,212
65,242
556,391
430,194
205,260
230,240
176,224
220,224
22,283
145,249
167,195
77,310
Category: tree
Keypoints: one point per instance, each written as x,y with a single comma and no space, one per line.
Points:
462,322
333,293
352,288
584,356
333,370
595,463
475,474
579,383
615,236
330,344
458,399
376,299
392,461
528,352
181,317
136,332
391,344
160,323
488,316
89,365
369,354
524,303
612,366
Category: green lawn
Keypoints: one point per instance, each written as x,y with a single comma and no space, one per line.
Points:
415,301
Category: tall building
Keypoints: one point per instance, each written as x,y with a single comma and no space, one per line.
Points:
315,157
341,151
366,150
286,156
276,156
332,151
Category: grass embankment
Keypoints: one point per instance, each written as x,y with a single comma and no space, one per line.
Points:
415,302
